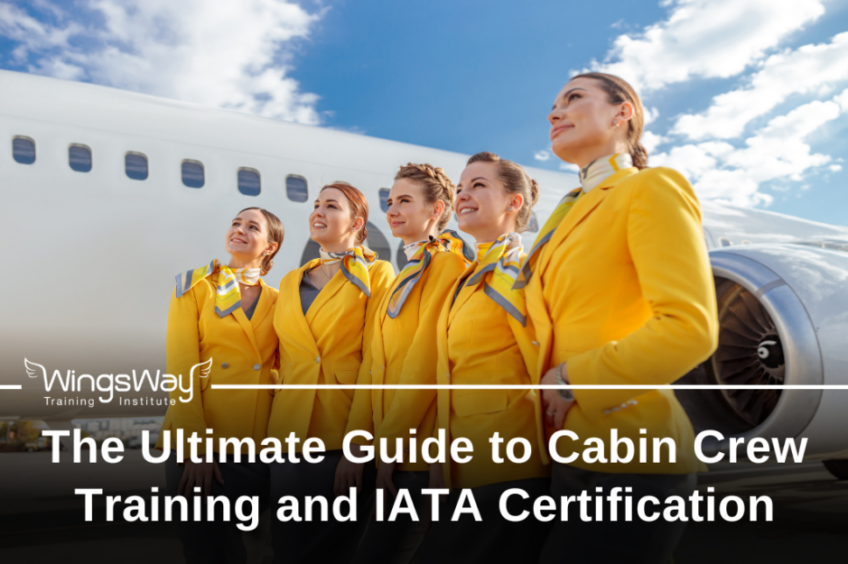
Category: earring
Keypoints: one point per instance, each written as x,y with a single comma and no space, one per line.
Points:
614,123
510,208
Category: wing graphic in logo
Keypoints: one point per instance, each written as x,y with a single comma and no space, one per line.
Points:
202,369
34,370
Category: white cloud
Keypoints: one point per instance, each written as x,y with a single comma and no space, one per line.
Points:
802,71
568,167
651,141
743,40
651,114
705,39
542,155
778,151
227,54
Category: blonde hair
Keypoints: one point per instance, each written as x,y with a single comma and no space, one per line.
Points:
515,181
619,91
436,185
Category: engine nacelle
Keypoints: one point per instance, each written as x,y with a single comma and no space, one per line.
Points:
783,316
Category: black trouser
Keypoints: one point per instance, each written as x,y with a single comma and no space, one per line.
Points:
635,541
396,541
494,539
218,540
316,541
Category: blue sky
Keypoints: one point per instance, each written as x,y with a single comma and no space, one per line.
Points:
748,98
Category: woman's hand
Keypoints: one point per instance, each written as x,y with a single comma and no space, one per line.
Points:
349,474
385,470
554,407
199,474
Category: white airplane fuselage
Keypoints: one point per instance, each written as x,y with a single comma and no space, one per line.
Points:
91,257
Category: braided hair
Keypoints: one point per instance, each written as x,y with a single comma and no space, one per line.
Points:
436,186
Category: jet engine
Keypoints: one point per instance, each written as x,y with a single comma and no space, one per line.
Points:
783,318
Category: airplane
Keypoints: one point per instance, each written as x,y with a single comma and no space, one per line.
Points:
107,194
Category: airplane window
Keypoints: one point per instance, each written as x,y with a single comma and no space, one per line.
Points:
192,172
384,199
135,165
377,242
724,242
23,149
79,158
249,183
533,224
296,188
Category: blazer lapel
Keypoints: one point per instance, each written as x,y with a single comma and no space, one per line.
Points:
289,299
329,290
263,306
464,294
248,328
584,206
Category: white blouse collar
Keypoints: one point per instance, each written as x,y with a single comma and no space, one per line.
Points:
600,169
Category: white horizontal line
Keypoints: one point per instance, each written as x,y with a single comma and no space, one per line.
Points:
526,387
10,386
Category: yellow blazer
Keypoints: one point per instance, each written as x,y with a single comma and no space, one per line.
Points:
479,343
403,351
323,347
243,352
623,292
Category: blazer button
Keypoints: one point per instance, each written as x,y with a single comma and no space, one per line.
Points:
317,359
257,367
535,343
224,365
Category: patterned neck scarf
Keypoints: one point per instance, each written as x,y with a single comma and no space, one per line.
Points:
498,265
422,254
355,263
600,169
228,297
590,176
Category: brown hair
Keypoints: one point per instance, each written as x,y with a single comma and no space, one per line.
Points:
358,206
619,91
275,235
515,181
437,187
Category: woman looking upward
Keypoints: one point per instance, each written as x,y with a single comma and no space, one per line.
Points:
220,329
620,292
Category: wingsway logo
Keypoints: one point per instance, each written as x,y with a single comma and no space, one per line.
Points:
110,386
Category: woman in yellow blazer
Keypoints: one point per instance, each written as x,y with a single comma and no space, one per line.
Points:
220,330
483,338
620,292
324,319
402,350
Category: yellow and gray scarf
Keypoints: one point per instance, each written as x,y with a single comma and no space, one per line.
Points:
498,266
228,297
590,176
419,260
355,263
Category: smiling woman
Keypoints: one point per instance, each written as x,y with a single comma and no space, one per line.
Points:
220,317
324,322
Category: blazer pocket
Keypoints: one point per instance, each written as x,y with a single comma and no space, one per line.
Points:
477,402
346,376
